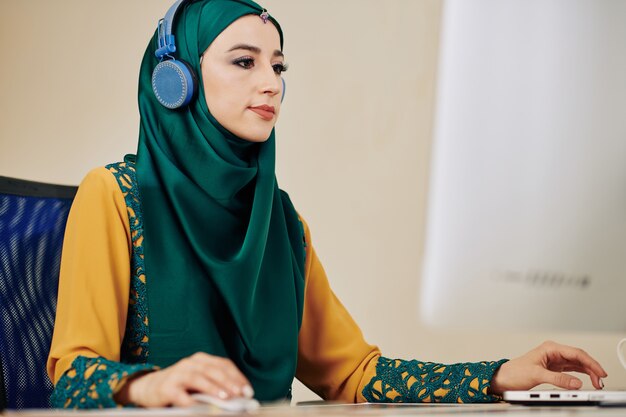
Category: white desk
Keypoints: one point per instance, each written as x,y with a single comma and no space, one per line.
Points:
349,410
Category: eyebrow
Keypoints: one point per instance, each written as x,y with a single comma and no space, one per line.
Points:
254,49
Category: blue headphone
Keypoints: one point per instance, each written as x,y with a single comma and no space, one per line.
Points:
173,81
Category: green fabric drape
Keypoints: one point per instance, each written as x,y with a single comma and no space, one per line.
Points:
223,245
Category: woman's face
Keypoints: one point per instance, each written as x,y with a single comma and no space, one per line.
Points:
241,74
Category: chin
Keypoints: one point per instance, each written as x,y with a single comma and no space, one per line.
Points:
259,136
254,138
251,129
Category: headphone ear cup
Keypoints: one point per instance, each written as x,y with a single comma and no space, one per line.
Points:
174,83
282,97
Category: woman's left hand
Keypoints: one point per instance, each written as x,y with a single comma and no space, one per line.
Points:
546,364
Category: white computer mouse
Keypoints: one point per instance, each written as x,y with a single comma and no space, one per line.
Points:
232,404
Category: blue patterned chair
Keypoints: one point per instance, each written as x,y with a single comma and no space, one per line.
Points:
32,223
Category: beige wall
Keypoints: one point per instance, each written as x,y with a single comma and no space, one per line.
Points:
354,140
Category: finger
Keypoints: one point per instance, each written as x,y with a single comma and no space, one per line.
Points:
227,382
224,373
597,382
193,376
578,366
573,368
182,382
229,367
574,355
181,398
168,391
199,382
205,370
560,380
220,379
595,379
233,371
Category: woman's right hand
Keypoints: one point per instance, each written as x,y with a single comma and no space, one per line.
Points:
199,373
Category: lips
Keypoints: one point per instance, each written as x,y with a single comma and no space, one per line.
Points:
266,112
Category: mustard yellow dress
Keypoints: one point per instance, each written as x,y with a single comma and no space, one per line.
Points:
101,333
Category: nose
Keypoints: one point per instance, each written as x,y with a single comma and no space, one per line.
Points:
270,83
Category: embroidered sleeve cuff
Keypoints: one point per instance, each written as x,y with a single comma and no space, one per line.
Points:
398,380
91,383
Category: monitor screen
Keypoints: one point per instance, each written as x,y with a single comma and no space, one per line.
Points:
526,221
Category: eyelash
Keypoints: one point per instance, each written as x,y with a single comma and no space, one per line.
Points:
247,62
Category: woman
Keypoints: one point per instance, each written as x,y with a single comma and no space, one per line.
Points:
187,270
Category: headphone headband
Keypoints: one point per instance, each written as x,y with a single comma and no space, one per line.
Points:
166,40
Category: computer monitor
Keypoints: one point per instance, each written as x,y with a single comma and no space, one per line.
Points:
526,220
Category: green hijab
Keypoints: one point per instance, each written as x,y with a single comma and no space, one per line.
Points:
224,252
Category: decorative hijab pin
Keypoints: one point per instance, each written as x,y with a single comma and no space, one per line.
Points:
265,16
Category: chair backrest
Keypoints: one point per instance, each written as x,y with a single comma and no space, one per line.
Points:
32,224
3,396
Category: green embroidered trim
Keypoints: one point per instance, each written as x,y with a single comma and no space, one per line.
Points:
90,383
135,344
397,380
